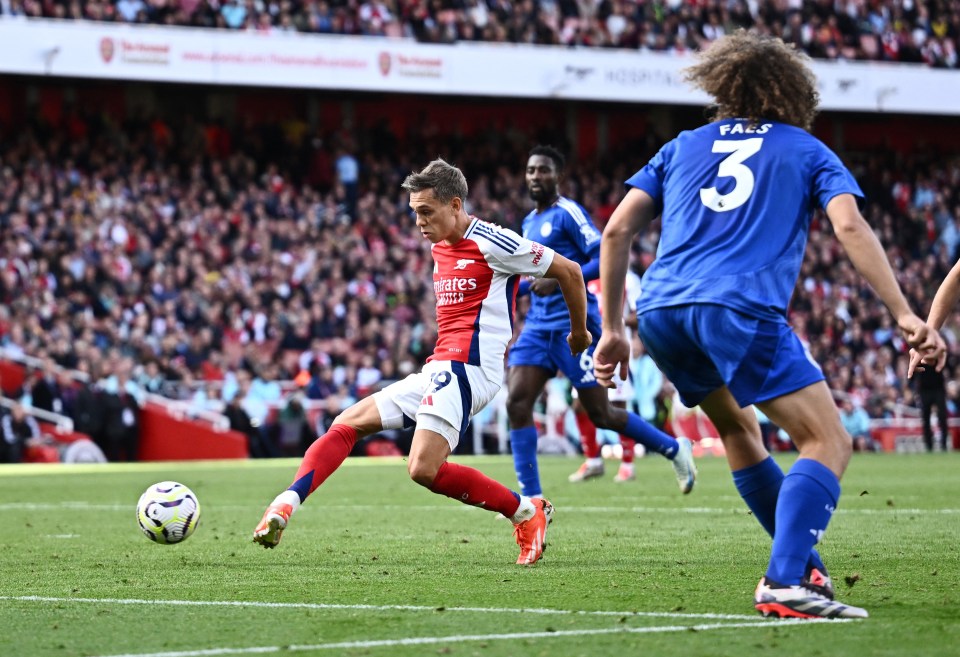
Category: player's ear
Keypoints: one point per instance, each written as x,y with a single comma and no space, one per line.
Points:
456,204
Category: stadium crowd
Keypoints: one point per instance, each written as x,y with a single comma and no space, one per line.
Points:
890,30
182,259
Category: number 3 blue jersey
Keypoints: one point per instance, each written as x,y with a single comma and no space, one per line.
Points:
736,202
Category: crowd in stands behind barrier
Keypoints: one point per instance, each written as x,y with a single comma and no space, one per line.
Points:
886,30
152,259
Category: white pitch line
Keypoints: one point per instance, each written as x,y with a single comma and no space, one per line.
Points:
359,607
428,640
83,506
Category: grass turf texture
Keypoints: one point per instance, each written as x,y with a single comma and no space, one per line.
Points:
372,537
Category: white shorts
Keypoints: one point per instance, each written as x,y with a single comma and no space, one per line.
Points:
622,393
442,397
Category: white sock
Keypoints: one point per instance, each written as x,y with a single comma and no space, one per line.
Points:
595,462
525,511
288,497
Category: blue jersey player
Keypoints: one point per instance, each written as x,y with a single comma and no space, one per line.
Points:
736,198
541,349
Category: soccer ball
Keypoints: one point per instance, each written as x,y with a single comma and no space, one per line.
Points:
168,512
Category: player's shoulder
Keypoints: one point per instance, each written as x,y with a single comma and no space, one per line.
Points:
488,235
570,208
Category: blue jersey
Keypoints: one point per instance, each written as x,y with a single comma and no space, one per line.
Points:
736,202
566,228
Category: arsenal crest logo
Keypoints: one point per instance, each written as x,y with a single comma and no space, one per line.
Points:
385,63
106,49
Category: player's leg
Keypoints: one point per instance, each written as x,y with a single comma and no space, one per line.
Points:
325,455
627,446
525,383
458,393
592,465
808,497
756,475
618,397
606,416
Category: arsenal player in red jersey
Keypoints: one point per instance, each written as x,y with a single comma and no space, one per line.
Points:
476,272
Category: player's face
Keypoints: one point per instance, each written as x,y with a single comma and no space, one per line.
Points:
541,178
435,219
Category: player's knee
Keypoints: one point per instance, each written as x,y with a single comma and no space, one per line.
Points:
422,471
519,410
600,415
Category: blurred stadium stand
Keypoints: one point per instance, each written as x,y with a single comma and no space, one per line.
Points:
208,253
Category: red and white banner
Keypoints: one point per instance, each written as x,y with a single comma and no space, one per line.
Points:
194,55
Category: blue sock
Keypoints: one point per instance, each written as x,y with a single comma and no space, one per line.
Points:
807,500
650,437
523,444
759,486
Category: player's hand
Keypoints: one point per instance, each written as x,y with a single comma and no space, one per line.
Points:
544,287
579,341
612,354
918,363
923,339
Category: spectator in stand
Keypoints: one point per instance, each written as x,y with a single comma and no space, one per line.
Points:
857,423
47,391
122,399
887,30
18,431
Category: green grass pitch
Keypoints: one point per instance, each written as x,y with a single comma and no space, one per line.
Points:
375,565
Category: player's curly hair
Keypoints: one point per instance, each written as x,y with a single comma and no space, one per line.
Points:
446,181
757,77
549,151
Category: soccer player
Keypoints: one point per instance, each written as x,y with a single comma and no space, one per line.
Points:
477,267
736,197
540,351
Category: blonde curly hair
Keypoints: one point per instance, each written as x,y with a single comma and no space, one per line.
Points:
757,77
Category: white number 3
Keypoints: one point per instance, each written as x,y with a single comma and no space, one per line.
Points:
732,167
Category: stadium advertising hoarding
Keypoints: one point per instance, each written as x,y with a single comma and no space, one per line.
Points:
194,55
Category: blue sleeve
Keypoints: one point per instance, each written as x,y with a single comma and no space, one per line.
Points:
524,288
591,270
831,178
581,230
650,178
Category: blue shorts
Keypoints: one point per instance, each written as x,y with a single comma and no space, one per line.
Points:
548,349
702,347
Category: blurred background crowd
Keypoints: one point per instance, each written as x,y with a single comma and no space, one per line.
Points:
890,30
242,267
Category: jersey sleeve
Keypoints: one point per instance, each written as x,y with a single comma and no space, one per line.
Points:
650,178
509,253
830,177
580,229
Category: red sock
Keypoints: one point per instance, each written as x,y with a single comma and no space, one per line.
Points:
323,457
588,436
628,444
472,487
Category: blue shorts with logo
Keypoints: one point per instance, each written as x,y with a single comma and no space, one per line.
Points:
548,349
702,347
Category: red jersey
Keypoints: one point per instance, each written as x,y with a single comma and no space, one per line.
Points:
475,282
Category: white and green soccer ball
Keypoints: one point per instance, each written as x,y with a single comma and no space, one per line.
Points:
168,512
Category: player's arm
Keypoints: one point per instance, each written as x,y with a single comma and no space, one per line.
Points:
568,275
867,255
635,211
945,299
943,302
